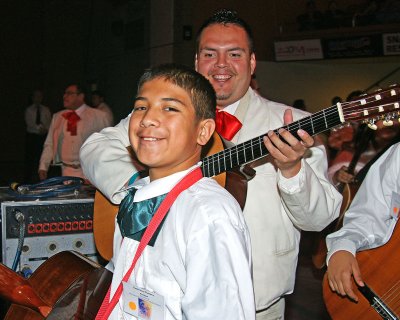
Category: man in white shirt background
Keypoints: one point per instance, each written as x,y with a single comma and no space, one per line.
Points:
68,130
37,121
98,102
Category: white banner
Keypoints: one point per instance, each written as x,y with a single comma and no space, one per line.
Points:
298,50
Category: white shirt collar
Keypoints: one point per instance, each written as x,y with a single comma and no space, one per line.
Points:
147,190
231,109
81,109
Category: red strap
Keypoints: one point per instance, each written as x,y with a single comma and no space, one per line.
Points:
191,178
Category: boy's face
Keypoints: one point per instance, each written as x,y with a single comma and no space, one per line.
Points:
163,129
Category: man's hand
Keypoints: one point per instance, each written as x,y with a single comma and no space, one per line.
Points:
342,176
42,175
341,267
288,155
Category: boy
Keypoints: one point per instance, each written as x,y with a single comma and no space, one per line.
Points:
199,264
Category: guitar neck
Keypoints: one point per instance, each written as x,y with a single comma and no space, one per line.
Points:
254,149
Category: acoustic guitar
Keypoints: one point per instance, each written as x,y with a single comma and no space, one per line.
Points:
66,286
380,298
383,104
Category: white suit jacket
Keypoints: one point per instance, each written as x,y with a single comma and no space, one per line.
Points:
91,121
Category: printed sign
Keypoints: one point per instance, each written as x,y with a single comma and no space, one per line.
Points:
298,50
361,46
391,43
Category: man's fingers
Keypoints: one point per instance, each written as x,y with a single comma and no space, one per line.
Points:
307,140
287,116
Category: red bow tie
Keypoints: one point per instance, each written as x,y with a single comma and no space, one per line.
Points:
72,119
227,125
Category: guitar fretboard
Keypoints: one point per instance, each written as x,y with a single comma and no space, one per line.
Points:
254,149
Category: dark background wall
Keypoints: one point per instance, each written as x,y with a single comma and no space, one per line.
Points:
106,44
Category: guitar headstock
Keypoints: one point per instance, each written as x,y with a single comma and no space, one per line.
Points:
380,105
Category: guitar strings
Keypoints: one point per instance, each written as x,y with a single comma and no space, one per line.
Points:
236,152
392,297
318,120
215,159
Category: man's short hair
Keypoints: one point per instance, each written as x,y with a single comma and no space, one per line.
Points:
224,17
80,88
199,89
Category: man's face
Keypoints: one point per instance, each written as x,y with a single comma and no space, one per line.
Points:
224,58
163,128
72,98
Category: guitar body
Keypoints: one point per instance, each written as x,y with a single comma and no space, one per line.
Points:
71,285
380,271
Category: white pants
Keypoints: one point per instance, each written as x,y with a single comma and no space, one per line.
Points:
274,312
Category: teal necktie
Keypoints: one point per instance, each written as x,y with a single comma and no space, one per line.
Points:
134,217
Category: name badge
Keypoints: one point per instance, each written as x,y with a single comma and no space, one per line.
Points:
395,205
142,304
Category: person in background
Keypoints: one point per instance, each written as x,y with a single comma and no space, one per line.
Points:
37,121
312,19
68,130
292,181
98,102
367,143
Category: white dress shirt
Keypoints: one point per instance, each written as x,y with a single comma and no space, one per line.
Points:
369,221
201,260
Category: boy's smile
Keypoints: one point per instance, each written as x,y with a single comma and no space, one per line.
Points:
163,129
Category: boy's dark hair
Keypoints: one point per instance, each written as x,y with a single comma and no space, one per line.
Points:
200,90
224,17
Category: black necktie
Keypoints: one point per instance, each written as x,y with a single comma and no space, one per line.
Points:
38,121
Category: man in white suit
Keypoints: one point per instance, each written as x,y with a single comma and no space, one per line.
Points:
68,131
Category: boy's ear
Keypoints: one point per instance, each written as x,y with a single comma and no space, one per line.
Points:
207,128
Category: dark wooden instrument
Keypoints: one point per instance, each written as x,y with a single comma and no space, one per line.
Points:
369,108
66,286
380,299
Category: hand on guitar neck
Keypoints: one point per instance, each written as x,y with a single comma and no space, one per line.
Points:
343,176
342,268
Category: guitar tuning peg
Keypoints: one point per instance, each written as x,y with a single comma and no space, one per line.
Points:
339,127
372,126
387,122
